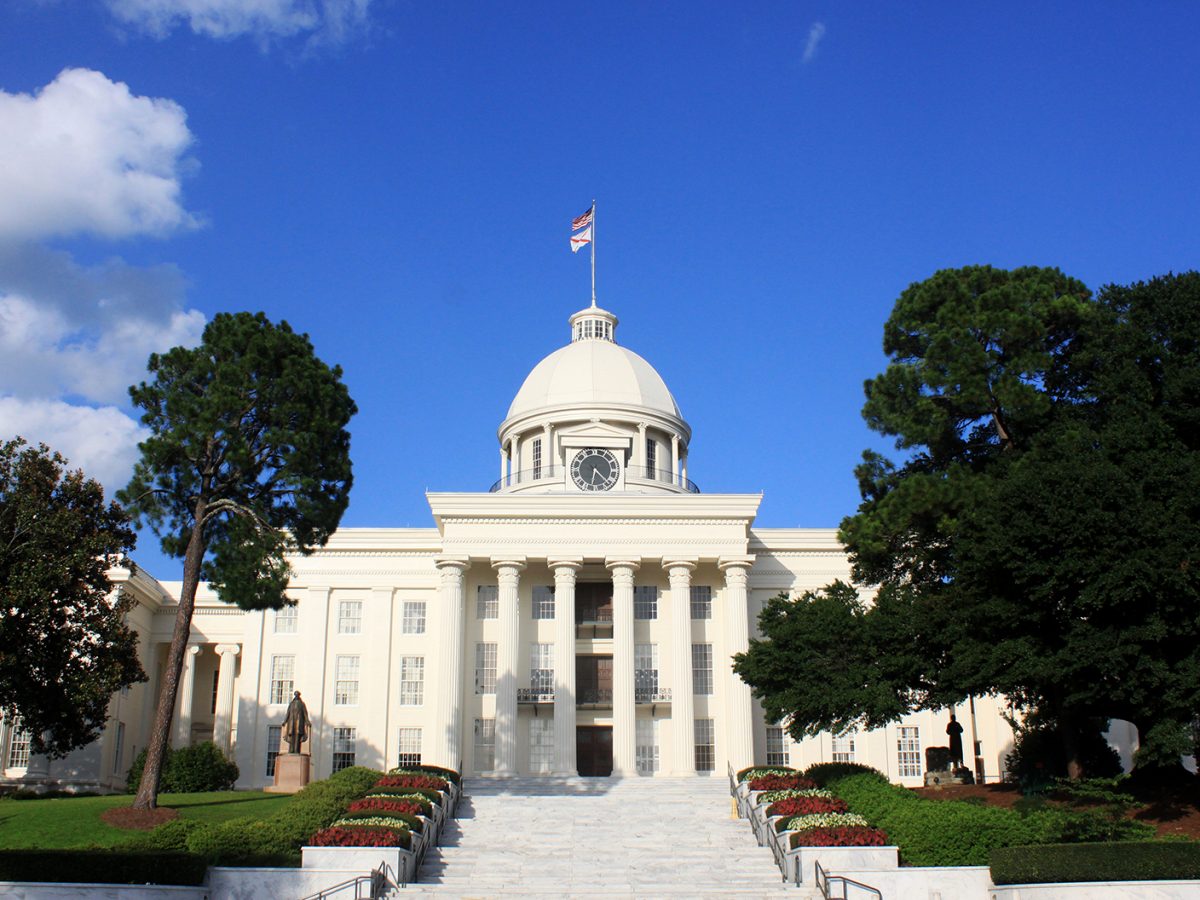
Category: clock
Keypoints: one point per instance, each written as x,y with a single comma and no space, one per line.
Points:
594,469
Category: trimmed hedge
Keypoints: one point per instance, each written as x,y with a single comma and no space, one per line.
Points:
1125,861
827,772
103,866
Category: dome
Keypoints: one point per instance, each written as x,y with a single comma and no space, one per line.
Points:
593,373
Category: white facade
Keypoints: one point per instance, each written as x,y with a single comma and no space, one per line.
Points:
578,618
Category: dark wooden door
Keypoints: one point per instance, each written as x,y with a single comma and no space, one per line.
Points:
593,601
593,680
593,750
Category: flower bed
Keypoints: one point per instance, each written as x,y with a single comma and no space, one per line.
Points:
361,836
777,782
408,806
839,836
820,820
436,771
398,821
414,781
806,806
759,771
787,793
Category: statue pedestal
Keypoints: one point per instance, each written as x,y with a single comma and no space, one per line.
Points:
291,773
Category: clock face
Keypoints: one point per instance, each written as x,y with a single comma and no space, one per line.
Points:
594,469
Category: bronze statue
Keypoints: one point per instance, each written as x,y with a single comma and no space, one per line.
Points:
955,731
296,724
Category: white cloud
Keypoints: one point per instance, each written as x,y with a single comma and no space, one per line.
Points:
84,154
101,441
815,33
330,20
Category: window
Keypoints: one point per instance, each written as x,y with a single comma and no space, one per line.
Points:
645,601
119,752
485,668
702,677
543,602
485,745
646,746
283,678
843,749
487,601
908,751
541,668
286,618
412,680
537,458
777,749
645,671
541,745
414,617
344,740
273,734
701,601
345,686
706,749
350,617
410,748
651,457
18,746
216,684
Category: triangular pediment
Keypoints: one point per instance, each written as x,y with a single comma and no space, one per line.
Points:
596,430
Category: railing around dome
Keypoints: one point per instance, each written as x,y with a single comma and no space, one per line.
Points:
549,473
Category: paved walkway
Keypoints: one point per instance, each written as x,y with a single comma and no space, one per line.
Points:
599,837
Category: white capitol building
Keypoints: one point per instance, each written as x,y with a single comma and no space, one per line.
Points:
578,618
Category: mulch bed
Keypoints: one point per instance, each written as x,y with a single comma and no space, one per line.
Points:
137,819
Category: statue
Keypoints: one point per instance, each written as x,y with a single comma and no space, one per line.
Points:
956,751
296,724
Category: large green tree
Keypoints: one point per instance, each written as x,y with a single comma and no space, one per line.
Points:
248,460
64,645
1039,539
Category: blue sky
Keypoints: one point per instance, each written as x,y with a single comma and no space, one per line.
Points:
398,179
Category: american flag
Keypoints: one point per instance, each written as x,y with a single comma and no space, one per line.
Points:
583,220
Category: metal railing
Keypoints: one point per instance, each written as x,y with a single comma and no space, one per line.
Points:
665,476
534,695
827,882
550,473
541,473
377,885
651,695
594,697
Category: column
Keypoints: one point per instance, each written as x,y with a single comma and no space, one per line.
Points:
639,452
508,574
674,459
683,728
375,695
739,709
250,747
516,459
503,466
683,461
446,746
183,722
547,453
624,708
564,570
223,722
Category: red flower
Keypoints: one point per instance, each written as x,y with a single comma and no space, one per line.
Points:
845,836
805,806
379,804
781,783
360,836
419,782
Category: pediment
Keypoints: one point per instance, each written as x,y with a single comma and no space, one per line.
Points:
596,430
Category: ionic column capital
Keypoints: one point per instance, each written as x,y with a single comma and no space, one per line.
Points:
565,569
193,650
622,569
228,649
679,570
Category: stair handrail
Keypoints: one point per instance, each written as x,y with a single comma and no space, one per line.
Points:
825,883
378,881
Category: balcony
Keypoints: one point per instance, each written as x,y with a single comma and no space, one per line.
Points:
652,695
594,624
535,695
595,698
662,476
542,473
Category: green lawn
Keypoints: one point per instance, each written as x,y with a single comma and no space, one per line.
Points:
65,822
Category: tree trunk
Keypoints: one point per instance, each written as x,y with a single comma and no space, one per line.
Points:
147,795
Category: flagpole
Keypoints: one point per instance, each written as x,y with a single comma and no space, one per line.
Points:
593,253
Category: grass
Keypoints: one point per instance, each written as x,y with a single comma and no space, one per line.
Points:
73,822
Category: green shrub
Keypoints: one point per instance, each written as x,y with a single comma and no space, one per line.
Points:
200,767
171,836
1131,861
245,842
102,866
826,773
1037,759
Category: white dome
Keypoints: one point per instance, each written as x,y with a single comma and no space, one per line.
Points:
593,373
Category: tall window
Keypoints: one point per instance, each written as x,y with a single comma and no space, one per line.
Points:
345,681
283,678
350,617
701,601
216,685
537,458
285,619
410,748
541,745
414,617
843,749
702,679
344,740
541,668
18,746
645,601
487,601
485,668
412,680
908,751
543,602
646,746
119,751
706,747
485,745
651,458
777,750
273,734
645,671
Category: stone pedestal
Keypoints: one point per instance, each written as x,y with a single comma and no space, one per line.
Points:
291,773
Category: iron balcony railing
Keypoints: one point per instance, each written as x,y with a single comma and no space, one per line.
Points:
551,473
594,697
651,695
541,473
666,476
535,695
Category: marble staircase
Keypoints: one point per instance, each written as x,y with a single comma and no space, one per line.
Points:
599,837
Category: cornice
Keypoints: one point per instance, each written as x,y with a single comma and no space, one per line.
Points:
588,509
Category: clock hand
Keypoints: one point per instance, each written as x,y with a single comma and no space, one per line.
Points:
595,472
